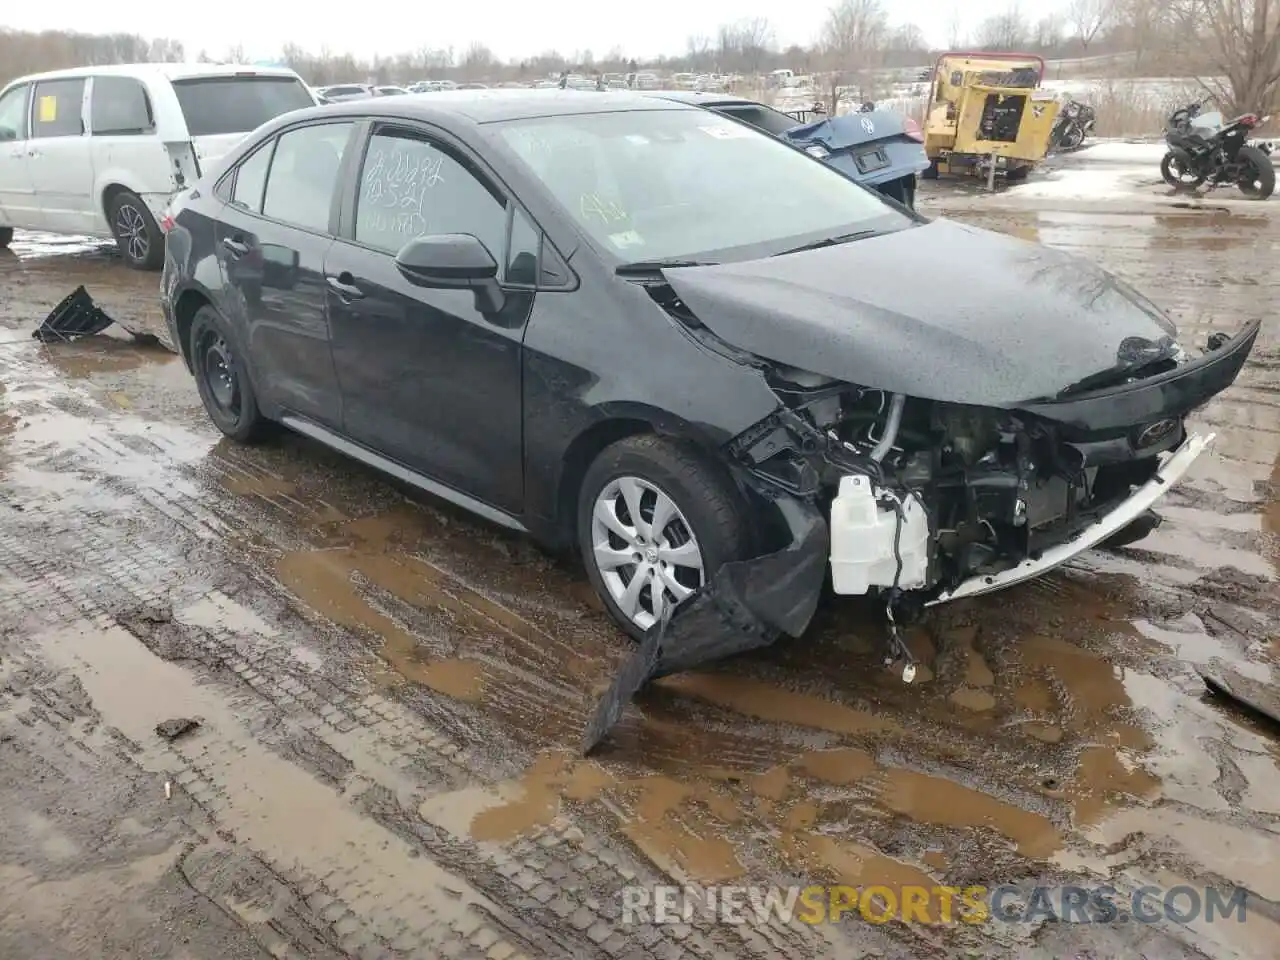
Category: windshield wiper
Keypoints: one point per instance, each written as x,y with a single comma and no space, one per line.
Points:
831,241
643,267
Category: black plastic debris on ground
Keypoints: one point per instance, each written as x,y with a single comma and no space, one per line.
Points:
748,604
76,316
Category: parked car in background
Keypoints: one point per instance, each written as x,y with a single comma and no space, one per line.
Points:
339,92
390,90
99,151
654,333
879,148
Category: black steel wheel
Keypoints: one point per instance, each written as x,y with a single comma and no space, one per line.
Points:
222,380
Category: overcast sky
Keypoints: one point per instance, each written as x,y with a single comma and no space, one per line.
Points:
509,28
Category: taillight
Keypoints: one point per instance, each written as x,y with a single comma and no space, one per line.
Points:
166,223
1249,120
913,131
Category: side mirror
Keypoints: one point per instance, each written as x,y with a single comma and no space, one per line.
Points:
453,261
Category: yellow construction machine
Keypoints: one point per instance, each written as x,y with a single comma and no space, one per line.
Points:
987,114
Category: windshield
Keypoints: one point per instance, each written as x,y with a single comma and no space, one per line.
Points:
218,105
688,183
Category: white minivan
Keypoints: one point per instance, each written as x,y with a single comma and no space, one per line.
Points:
99,151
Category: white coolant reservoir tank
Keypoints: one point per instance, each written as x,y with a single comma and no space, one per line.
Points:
862,533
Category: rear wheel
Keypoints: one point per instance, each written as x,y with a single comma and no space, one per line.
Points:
139,238
656,520
1177,175
1017,174
6,237
1072,137
1259,179
222,380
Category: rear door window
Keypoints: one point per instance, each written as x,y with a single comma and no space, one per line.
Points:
213,106
13,114
251,178
303,174
119,106
59,108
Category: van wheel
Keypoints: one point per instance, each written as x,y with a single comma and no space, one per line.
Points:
222,380
139,238
6,237
656,520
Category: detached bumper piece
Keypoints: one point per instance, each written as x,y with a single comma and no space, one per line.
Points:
76,316
1136,507
747,605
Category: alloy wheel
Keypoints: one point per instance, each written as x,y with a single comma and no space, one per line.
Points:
131,228
644,549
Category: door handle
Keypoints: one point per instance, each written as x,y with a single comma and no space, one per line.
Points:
344,286
235,247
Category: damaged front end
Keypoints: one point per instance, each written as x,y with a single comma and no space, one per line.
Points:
918,502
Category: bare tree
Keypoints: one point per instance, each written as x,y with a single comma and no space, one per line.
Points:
478,61
698,51
1246,40
1004,31
853,36
1048,32
1087,17
955,28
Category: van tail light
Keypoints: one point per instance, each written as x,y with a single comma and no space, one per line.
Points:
166,224
912,130
1249,120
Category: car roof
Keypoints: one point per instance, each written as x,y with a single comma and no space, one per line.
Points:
494,105
159,71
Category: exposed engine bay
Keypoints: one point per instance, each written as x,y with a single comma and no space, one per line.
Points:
951,491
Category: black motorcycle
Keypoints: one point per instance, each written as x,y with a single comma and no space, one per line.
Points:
1200,153
1075,122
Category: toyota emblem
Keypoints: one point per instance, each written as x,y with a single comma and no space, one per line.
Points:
867,125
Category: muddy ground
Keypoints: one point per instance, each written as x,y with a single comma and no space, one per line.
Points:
390,693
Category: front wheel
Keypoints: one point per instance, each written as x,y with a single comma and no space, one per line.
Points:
1178,176
656,519
139,238
1258,180
6,237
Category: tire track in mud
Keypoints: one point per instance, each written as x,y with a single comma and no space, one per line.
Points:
121,582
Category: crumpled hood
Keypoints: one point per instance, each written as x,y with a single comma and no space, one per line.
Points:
940,311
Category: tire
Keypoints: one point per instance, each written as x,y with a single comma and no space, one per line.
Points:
137,235
231,402
931,171
1173,179
1072,138
1017,174
6,237
1263,183
708,512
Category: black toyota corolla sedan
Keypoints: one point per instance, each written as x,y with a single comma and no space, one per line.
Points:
714,365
